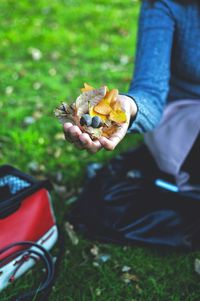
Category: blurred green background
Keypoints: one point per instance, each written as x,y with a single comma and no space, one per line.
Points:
48,50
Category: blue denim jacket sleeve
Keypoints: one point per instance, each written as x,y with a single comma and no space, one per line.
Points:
150,84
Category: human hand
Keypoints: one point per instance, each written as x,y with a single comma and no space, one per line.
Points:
81,140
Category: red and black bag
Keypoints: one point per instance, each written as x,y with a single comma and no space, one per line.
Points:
27,226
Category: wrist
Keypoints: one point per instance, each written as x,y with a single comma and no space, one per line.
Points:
132,105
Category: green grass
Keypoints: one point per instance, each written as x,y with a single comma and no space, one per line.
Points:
80,41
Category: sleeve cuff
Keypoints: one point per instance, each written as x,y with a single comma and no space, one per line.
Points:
145,119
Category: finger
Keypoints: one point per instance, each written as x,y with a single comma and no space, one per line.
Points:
95,147
111,143
85,139
66,128
91,146
67,125
72,132
107,143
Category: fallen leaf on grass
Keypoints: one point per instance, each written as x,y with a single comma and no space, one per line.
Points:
37,85
71,233
98,291
99,257
94,250
60,189
52,71
37,115
138,288
9,90
58,153
126,268
35,53
59,136
28,120
71,200
128,278
34,166
197,266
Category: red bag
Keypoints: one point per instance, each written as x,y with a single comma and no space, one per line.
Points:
26,215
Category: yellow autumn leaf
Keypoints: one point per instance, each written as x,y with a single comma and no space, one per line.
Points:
87,88
111,95
103,107
118,116
116,106
93,113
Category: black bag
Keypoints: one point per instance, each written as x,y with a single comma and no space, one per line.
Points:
130,200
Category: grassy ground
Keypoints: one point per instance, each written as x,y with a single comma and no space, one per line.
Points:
48,49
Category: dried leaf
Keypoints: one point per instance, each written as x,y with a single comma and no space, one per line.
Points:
9,90
93,113
34,166
109,131
28,120
58,152
116,106
87,88
65,113
35,53
98,291
112,95
126,268
127,278
94,133
138,288
71,200
59,136
89,98
118,116
71,233
103,107
197,265
60,189
94,250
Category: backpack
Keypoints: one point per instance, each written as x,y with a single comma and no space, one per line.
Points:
130,201
28,228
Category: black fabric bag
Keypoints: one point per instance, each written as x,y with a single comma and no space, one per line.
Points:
124,203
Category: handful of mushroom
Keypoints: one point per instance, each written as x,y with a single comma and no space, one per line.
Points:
96,112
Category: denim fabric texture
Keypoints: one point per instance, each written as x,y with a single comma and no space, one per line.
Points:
167,65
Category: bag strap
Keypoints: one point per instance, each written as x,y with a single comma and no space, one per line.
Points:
35,251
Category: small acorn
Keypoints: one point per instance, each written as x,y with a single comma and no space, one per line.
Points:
96,122
86,119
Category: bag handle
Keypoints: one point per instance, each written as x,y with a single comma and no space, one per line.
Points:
31,248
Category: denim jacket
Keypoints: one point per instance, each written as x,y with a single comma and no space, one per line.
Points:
167,66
